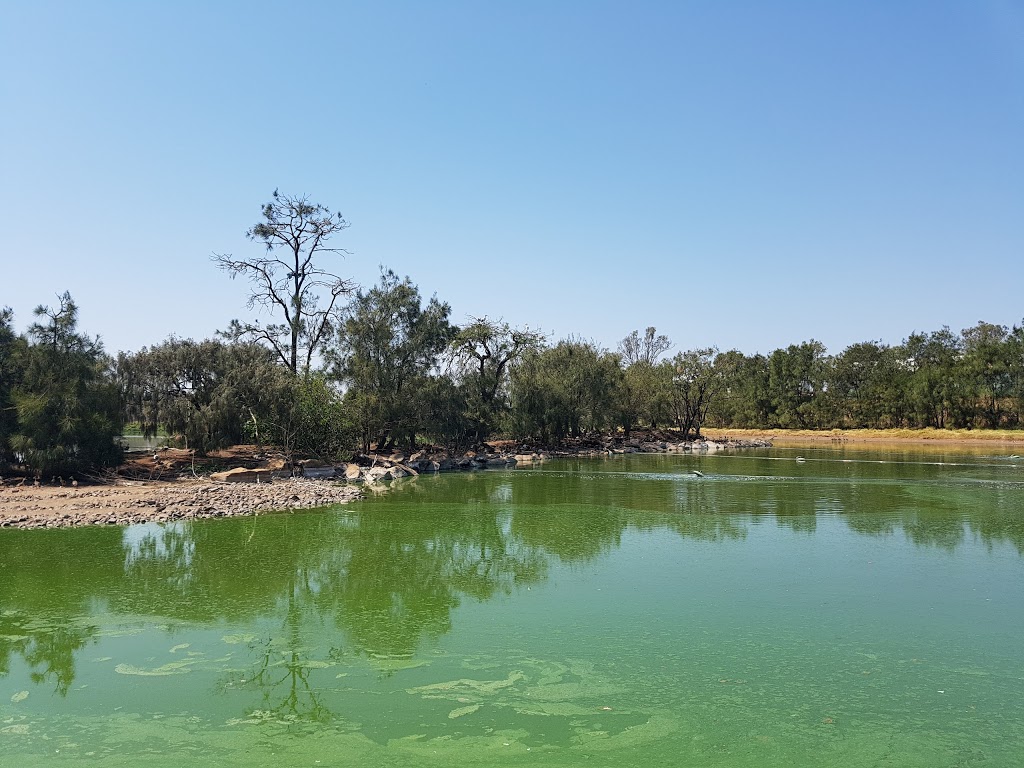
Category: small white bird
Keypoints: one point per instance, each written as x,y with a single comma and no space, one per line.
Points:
697,473
800,459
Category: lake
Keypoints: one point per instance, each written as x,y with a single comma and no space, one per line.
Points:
857,608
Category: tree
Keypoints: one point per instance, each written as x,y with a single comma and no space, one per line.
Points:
744,399
796,377
387,347
565,390
695,382
646,350
866,387
987,371
66,405
935,390
209,393
484,349
12,365
643,396
288,281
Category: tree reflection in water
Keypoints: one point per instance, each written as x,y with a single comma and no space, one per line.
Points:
386,577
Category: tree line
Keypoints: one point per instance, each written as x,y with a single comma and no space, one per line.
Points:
342,369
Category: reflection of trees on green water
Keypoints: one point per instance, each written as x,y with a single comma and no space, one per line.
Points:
48,649
43,594
281,670
386,577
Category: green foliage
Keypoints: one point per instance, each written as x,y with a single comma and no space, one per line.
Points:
934,391
644,395
743,399
66,406
796,376
566,390
445,413
866,387
310,418
12,365
483,352
695,380
209,394
388,348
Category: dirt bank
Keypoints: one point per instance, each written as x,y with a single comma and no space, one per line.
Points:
129,502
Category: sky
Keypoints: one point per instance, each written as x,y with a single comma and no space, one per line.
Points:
744,175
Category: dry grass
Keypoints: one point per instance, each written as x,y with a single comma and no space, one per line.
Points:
930,435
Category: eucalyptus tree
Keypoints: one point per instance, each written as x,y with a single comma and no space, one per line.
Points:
290,280
866,387
743,399
695,383
987,372
648,349
935,389
66,405
12,363
388,346
1015,362
644,395
565,390
481,354
797,376
208,393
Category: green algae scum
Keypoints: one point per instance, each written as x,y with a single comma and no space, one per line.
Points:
858,608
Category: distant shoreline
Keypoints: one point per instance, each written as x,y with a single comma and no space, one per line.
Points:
876,436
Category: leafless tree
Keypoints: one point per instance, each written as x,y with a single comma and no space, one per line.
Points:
289,281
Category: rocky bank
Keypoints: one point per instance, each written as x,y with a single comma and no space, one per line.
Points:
137,502
250,490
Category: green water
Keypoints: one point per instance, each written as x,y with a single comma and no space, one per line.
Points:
856,609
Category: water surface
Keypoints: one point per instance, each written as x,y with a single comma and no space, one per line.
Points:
857,608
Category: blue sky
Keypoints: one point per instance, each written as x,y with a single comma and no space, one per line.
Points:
739,174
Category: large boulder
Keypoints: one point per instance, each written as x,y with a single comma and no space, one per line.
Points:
378,474
243,475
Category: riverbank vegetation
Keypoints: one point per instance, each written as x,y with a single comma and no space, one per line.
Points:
339,369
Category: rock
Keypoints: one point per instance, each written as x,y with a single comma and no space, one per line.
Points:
353,473
242,475
378,474
319,473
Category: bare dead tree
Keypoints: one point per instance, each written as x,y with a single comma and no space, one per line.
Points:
289,280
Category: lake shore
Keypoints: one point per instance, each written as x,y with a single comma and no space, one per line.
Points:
130,502
161,487
952,437
127,502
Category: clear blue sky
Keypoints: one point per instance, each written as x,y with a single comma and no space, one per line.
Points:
739,174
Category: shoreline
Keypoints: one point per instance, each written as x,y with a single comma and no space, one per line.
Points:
162,501
239,492
929,436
